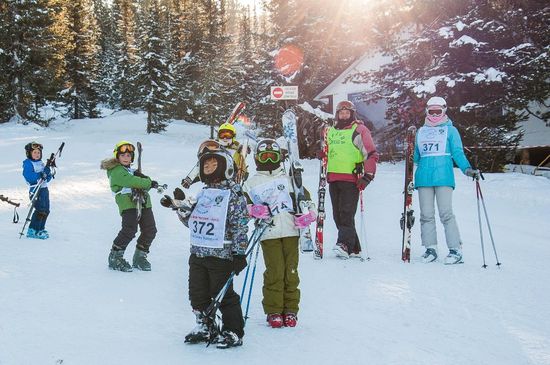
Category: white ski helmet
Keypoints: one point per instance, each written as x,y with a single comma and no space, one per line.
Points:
437,100
225,169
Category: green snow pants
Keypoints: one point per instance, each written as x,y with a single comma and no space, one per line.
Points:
281,293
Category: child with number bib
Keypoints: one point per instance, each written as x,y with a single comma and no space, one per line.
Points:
34,171
217,220
122,179
270,191
438,144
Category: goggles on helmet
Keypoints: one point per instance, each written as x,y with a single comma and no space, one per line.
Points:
266,156
35,146
226,134
209,145
125,148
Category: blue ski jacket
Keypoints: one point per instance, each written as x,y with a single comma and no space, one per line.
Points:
32,171
438,170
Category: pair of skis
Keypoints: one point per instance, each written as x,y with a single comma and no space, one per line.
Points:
192,176
295,171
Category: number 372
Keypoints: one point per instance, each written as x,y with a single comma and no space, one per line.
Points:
199,227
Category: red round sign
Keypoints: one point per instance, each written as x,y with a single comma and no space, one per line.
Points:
278,92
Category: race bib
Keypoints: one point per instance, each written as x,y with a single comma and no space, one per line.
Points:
275,193
432,141
207,221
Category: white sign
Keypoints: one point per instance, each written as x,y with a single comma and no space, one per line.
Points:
284,92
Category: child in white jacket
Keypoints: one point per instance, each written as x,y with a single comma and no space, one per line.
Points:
270,192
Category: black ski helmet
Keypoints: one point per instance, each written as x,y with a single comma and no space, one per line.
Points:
267,155
225,169
29,147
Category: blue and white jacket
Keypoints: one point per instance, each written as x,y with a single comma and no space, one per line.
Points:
32,172
437,170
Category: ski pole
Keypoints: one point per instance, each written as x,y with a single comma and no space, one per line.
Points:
251,284
480,228
252,242
15,206
363,236
478,187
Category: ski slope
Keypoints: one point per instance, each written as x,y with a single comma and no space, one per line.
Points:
59,303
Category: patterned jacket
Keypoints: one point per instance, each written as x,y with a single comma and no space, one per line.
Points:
236,240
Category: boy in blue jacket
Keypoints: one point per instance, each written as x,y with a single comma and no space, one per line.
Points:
35,171
438,144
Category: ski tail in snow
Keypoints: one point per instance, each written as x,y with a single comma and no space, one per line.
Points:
291,136
407,217
318,251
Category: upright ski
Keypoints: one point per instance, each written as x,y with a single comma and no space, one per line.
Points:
291,136
192,176
137,194
407,217
318,252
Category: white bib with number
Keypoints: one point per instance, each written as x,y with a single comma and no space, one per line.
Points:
207,221
432,141
275,193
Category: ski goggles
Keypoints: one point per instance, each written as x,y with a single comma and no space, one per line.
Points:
436,112
209,145
226,134
36,146
266,156
126,148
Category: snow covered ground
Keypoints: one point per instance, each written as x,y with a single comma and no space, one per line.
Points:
59,303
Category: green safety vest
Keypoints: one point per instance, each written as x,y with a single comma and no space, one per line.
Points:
343,156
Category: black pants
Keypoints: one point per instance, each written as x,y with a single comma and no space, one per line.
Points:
207,276
129,228
344,196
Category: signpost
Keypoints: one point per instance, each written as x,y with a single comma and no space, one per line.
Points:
284,92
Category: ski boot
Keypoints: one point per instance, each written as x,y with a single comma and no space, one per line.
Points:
430,255
275,320
33,233
454,257
140,260
200,333
229,339
341,251
117,262
290,319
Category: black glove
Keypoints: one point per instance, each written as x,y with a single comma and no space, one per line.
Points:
139,174
239,263
364,181
166,201
154,184
179,194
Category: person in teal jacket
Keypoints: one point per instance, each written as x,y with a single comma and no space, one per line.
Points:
438,144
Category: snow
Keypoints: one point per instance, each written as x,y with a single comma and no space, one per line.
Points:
460,26
511,52
466,40
489,75
468,106
446,32
60,304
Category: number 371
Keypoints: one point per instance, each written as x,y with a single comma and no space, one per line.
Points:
428,147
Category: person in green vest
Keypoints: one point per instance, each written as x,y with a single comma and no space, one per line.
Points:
123,179
351,166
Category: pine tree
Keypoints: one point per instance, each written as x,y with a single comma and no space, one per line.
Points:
126,53
107,52
82,59
472,58
26,54
153,77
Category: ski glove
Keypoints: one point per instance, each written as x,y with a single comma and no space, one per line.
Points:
304,220
46,173
364,180
179,194
166,201
259,211
239,263
473,173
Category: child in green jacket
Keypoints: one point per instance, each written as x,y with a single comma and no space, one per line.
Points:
123,181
